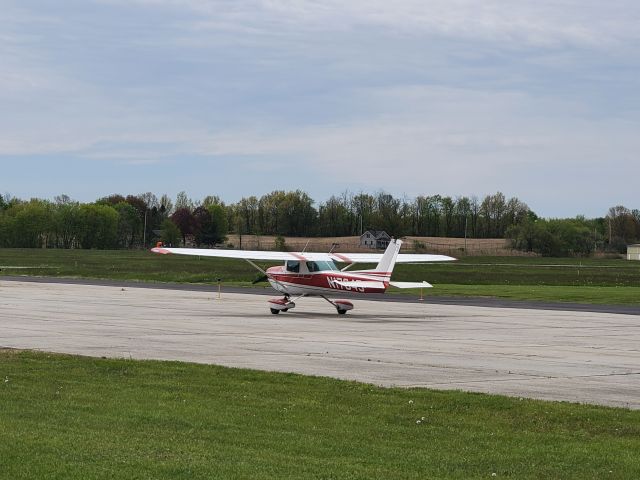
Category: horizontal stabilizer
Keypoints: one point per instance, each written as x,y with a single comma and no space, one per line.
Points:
360,284
410,284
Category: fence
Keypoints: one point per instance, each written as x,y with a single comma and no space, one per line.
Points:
454,247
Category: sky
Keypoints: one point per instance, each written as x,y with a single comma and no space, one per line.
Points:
537,99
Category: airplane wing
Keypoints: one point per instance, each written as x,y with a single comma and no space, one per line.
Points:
410,284
302,256
240,254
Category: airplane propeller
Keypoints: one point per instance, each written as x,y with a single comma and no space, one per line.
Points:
260,278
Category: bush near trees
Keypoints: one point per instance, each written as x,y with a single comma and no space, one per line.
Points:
136,221
578,236
556,237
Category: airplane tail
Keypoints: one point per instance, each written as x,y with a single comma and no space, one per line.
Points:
388,260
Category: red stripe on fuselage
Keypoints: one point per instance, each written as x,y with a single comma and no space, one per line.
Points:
326,280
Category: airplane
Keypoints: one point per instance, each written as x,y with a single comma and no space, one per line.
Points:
307,274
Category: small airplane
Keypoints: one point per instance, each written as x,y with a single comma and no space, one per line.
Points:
308,274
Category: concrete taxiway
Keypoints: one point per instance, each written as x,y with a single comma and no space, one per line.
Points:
587,357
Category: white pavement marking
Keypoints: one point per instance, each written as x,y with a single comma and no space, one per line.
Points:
575,356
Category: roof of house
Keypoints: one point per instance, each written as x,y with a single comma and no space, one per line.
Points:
377,234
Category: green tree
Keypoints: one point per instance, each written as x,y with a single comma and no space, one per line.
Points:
183,202
203,227
220,222
333,218
129,224
100,226
6,230
113,200
363,208
33,224
554,237
624,227
448,210
68,224
183,218
166,205
170,233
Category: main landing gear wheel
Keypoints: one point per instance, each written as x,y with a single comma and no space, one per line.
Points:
277,305
342,306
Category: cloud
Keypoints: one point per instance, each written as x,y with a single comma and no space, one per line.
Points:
453,96
542,23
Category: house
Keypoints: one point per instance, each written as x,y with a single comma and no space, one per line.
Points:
375,239
633,252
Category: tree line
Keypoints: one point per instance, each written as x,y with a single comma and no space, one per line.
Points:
135,221
578,236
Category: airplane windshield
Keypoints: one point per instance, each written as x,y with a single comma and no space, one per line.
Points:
321,266
293,266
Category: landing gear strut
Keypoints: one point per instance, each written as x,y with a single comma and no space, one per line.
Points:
342,306
277,305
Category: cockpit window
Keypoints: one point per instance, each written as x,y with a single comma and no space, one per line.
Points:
321,266
293,266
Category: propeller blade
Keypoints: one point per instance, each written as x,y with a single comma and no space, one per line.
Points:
261,278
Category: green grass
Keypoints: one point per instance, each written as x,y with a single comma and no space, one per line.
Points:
74,417
614,281
542,293
124,265
529,271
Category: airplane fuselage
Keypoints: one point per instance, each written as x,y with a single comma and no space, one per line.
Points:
326,283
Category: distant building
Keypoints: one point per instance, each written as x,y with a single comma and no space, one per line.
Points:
375,239
633,252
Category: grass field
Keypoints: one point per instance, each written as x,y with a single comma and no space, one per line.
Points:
614,281
73,417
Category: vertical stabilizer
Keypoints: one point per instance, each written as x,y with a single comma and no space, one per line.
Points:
388,260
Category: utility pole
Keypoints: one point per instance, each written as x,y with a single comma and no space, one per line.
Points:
466,219
144,232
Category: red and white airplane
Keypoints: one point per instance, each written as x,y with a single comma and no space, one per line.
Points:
316,274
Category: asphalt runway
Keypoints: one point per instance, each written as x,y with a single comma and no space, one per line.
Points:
577,356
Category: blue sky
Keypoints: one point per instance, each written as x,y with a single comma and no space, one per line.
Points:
538,99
